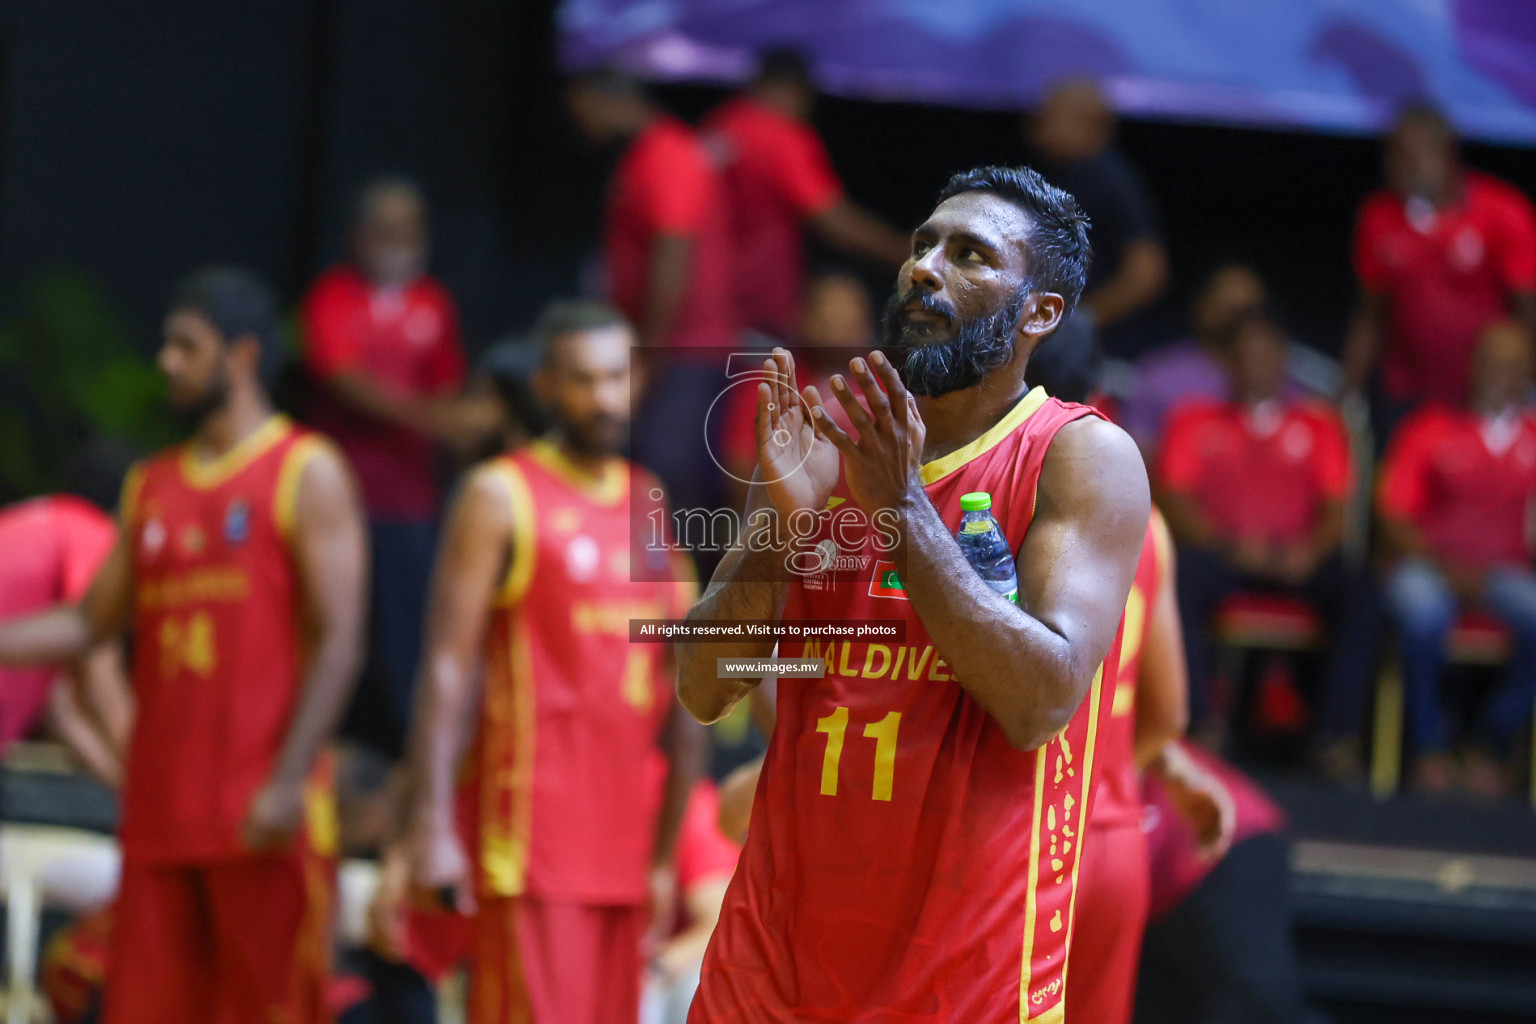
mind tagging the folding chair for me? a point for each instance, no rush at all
(1477, 639)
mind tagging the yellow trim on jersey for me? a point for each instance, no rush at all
(686, 581)
(206, 474)
(1033, 867)
(1056, 1013)
(606, 489)
(498, 867)
(1089, 746)
(939, 468)
(505, 857)
(128, 502)
(285, 499)
(321, 819)
(525, 541)
(1162, 545)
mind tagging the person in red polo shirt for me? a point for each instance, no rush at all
(1254, 491)
(1441, 252)
(1456, 500)
(381, 338)
(668, 258)
(779, 181)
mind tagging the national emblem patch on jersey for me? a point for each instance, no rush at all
(887, 582)
(582, 557)
(153, 537)
(237, 522)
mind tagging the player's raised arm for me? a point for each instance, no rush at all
(795, 471)
(330, 551)
(476, 548)
(71, 631)
(1030, 670)
(1029, 666)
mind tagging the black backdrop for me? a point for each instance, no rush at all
(140, 140)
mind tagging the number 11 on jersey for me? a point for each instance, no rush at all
(882, 732)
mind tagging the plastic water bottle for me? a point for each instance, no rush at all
(982, 542)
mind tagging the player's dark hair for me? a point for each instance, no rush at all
(238, 303)
(1059, 254)
(608, 80)
(571, 316)
(509, 366)
(784, 65)
(1068, 372)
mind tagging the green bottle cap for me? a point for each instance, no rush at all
(976, 501)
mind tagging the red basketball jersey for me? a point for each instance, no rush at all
(1111, 913)
(571, 709)
(904, 862)
(1118, 801)
(220, 640)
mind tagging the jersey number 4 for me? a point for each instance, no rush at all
(187, 644)
(882, 732)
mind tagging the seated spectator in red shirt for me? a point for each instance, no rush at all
(50, 549)
(779, 181)
(1441, 252)
(668, 258)
(1254, 491)
(381, 338)
(1457, 500)
(1196, 366)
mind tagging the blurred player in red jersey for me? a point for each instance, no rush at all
(1149, 712)
(240, 567)
(919, 823)
(534, 579)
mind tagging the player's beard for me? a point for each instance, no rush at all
(191, 412)
(933, 368)
(596, 436)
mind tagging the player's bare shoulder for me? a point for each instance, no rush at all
(324, 487)
(484, 501)
(1093, 469)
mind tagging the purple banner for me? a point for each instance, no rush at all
(1336, 65)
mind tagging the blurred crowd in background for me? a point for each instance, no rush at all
(1373, 511)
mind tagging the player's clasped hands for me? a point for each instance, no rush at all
(798, 469)
(882, 464)
(799, 442)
